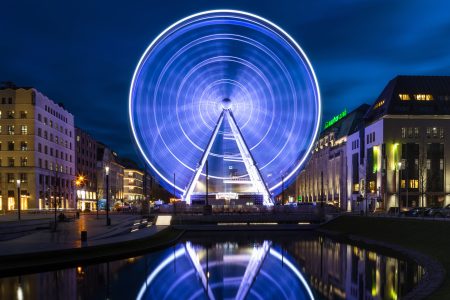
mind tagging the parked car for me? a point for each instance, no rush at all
(440, 211)
(414, 212)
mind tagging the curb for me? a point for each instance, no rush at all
(16, 264)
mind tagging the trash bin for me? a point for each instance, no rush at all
(83, 235)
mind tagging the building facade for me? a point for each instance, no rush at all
(401, 157)
(86, 170)
(108, 158)
(324, 176)
(37, 151)
(133, 185)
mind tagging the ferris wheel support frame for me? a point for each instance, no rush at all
(250, 164)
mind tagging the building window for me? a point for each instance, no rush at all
(441, 133)
(414, 184)
(39, 118)
(0, 114)
(423, 97)
(10, 146)
(39, 147)
(10, 177)
(40, 162)
(403, 132)
(410, 132)
(23, 146)
(39, 132)
(23, 114)
(9, 100)
(45, 134)
(428, 164)
(51, 137)
(441, 164)
(24, 129)
(10, 129)
(45, 121)
(45, 149)
(10, 114)
(23, 161)
(379, 104)
(416, 132)
(24, 177)
(404, 97)
(434, 132)
(10, 162)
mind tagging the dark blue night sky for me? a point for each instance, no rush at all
(84, 53)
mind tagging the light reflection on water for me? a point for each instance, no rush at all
(223, 266)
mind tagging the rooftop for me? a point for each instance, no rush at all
(413, 95)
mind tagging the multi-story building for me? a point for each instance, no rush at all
(37, 150)
(133, 185)
(324, 176)
(400, 158)
(108, 158)
(86, 170)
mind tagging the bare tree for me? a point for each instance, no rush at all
(422, 166)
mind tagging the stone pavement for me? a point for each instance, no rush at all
(28, 239)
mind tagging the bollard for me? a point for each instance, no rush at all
(83, 235)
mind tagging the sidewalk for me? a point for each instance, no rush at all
(67, 236)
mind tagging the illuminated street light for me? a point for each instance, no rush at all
(108, 221)
(18, 198)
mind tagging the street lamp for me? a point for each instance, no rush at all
(108, 221)
(18, 198)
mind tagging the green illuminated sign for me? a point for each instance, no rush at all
(335, 119)
(299, 199)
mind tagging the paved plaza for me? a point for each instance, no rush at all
(34, 233)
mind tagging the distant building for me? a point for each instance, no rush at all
(135, 184)
(107, 157)
(86, 170)
(401, 157)
(327, 165)
(37, 148)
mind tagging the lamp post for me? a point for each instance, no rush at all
(108, 221)
(399, 166)
(19, 205)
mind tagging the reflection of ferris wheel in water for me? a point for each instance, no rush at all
(228, 94)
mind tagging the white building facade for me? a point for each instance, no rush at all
(37, 151)
(400, 158)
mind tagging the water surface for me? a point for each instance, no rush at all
(214, 265)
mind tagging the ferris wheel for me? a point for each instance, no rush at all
(228, 95)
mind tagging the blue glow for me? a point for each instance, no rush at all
(180, 82)
(176, 278)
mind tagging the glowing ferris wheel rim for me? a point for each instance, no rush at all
(207, 15)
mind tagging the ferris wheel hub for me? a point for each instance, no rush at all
(226, 103)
